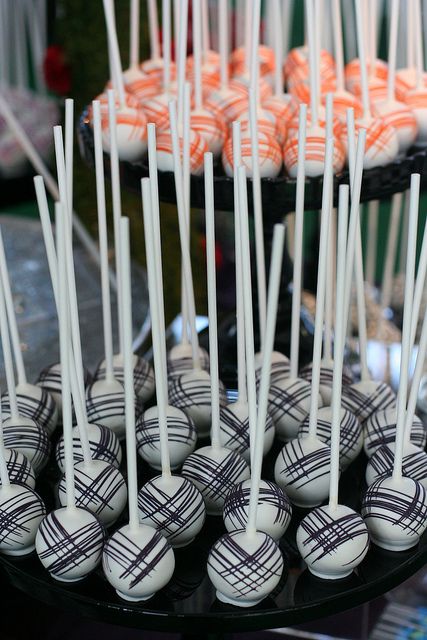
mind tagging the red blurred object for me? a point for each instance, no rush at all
(219, 258)
(57, 71)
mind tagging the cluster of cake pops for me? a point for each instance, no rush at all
(389, 102)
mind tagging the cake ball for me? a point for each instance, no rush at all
(198, 148)
(50, 380)
(265, 58)
(215, 471)
(406, 79)
(21, 512)
(380, 429)
(414, 464)
(227, 103)
(301, 91)
(332, 541)
(137, 562)
(103, 442)
(211, 79)
(69, 543)
(285, 109)
(344, 100)
(395, 512)
(32, 441)
(154, 67)
(315, 153)
(366, 397)
(180, 360)
(211, 127)
(266, 122)
(191, 392)
(289, 405)
(140, 85)
(382, 145)
(352, 72)
(34, 403)
(234, 429)
(280, 368)
(378, 91)
(270, 155)
(19, 469)
(351, 434)
(398, 115)
(156, 110)
(105, 405)
(210, 57)
(273, 514)
(100, 488)
(302, 470)
(173, 506)
(241, 84)
(143, 375)
(182, 436)
(326, 379)
(416, 100)
(243, 568)
(297, 68)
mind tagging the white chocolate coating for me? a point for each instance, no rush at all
(198, 148)
(180, 360)
(19, 469)
(416, 99)
(288, 405)
(104, 445)
(395, 512)
(140, 85)
(182, 436)
(105, 403)
(280, 367)
(34, 403)
(50, 380)
(69, 543)
(366, 397)
(274, 509)
(401, 117)
(234, 429)
(137, 563)
(302, 470)
(332, 542)
(380, 429)
(32, 441)
(270, 155)
(414, 464)
(215, 472)
(143, 375)
(244, 569)
(382, 145)
(100, 488)
(21, 511)
(174, 507)
(326, 379)
(211, 127)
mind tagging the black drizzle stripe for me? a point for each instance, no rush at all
(106, 448)
(300, 468)
(378, 432)
(180, 431)
(28, 438)
(95, 493)
(185, 394)
(123, 552)
(236, 507)
(414, 465)
(143, 375)
(393, 506)
(287, 402)
(178, 367)
(42, 410)
(363, 405)
(215, 479)
(17, 513)
(64, 550)
(328, 534)
(173, 514)
(18, 467)
(245, 572)
(350, 431)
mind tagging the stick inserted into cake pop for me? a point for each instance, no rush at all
(137, 560)
(169, 503)
(334, 539)
(70, 539)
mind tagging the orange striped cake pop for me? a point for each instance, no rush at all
(416, 99)
(210, 127)
(270, 155)
(240, 84)
(266, 121)
(352, 72)
(209, 58)
(381, 146)
(227, 104)
(140, 85)
(210, 80)
(301, 90)
(198, 148)
(157, 111)
(265, 56)
(377, 88)
(297, 69)
(402, 118)
(314, 154)
(344, 100)
(406, 79)
(284, 107)
(153, 67)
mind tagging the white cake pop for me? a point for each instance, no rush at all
(69, 540)
(137, 560)
(270, 155)
(380, 429)
(198, 147)
(21, 511)
(142, 373)
(19, 469)
(366, 397)
(50, 380)
(280, 368)
(180, 360)
(103, 442)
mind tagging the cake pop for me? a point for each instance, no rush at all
(50, 380)
(297, 68)
(104, 398)
(213, 469)
(33, 402)
(181, 430)
(137, 560)
(70, 539)
(274, 510)
(171, 504)
(302, 468)
(270, 156)
(154, 65)
(395, 508)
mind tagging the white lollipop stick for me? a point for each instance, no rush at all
(13, 325)
(40, 168)
(134, 33)
(404, 235)
(247, 300)
(152, 168)
(128, 377)
(7, 356)
(392, 50)
(182, 56)
(278, 48)
(212, 303)
(4, 473)
(117, 78)
(197, 53)
(314, 100)
(166, 44)
(47, 234)
(117, 204)
(103, 242)
(156, 329)
(406, 329)
(339, 346)
(153, 25)
(362, 61)
(183, 235)
(205, 29)
(186, 176)
(329, 293)
(321, 284)
(254, 62)
(240, 313)
(419, 287)
(371, 16)
(176, 31)
(299, 228)
(338, 44)
(419, 58)
(64, 346)
(223, 41)
(390, 256)
(258, 217)
(69, 148)
(287, 20)
(371, 249)
(273, 298)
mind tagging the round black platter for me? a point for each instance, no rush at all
(278, 194)
(188, 603)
